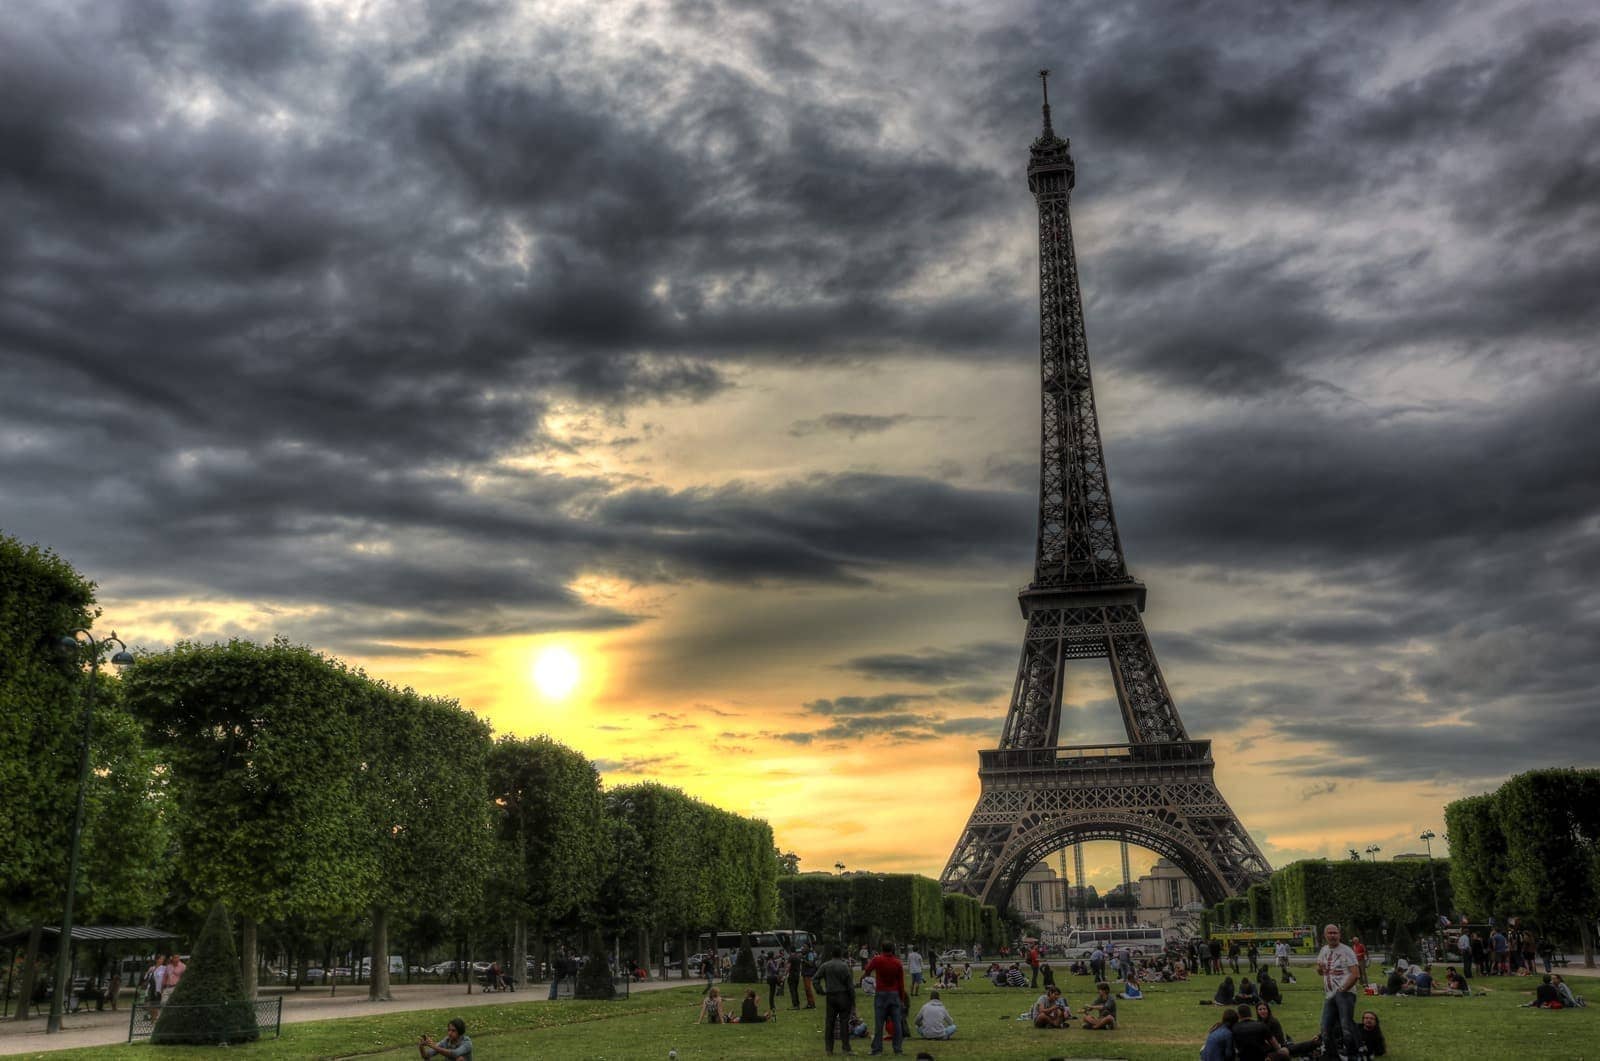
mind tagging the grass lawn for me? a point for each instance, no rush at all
(1168, 1024)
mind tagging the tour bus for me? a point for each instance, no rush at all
(1081, 942)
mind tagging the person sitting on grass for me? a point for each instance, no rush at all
(1219, 1040)
(1015, 977)
(933, 1020)
(1103, 1008)
(1050, 1010)
(1224, 995)
(1281, 1038)
(750, 1010)
(711, 1008)
(1267, 988)
(1396, 983)
(1246, 993)
(1564, 992)
(1454, 984)
(858, 1026)
(1545, 996)
(454, 1044)
(1370, 1036)
(1421, 982)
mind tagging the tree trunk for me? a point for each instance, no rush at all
(519, 952)
(30, 966)
(1586, 936)
(249, 967)
(378, 988)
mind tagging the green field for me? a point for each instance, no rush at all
(1168, 1024)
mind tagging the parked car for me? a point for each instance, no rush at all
(956, 955)
(314, 975)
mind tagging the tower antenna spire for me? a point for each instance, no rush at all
(1044, 81)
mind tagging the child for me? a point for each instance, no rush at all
(1106, 1008)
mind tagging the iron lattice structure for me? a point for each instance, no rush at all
(1037, 795)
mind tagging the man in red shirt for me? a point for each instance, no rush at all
(1033, 962)
(891, 1000)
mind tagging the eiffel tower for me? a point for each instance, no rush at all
(1036, 794)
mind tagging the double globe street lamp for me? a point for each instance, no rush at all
(72, 647)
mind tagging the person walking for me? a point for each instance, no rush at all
(1464, 945)
(1360, 949)
(1033, 964)
(838, 999)
(1254, 954)
(890, 1001)
(1336, 964)
(808, 973)
(914, 967)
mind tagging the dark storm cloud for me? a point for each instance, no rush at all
(936, 666)
(851, 425)
(890, 728)
(289, 302)
(864, 705)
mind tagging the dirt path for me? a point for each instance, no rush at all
(108, 1028)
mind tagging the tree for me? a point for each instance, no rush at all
(1548, 820)
(210, 1006)
(424, 773)
(1480, 870)
(549, 854)
(42, 600)
(264, 746)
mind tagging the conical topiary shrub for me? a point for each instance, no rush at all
(744, 966)
(594, 979)
(209, 1007)
(1403, 946)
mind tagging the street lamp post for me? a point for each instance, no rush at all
(71, 645)
(1427, 838)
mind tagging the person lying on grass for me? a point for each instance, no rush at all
(1103, 1010)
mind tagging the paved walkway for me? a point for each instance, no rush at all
(109, 1028)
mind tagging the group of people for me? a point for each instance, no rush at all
(883, 977)
(161, 980)
(1051, 1009)
(1248, 1031)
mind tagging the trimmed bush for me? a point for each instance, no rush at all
(594, 979)
(209, 1006)
(744, 966)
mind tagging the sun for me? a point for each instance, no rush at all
(556, 672)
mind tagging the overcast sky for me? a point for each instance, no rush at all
(701, 338)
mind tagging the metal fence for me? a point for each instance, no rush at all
(143, 1017)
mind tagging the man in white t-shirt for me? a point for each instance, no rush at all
(1336, 963)
(1464, 945)
(914, 967)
